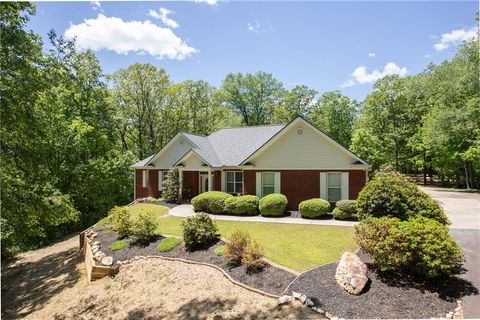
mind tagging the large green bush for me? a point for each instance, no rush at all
(199, 231)
(121, 221)
(420, 245)
(313, 208)
(211, 202)
(143, 227)
(273, 204)
(242, 205)
(390, 195)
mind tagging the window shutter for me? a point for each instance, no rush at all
(160, 180)
(222, 178)
(323, 185)
(345, 185)
(258, 182)
(277, 182)
(144, 180)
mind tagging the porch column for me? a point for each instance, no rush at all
(180, 181)
(210, 181)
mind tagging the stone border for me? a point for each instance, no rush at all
(225, 274)
(92, 254)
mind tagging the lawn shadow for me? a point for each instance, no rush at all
(27, 286)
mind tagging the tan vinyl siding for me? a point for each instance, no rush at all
(193, 161)
(307, 151)
(174, 152)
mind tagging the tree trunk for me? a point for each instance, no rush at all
(424, 170)
(465, 166)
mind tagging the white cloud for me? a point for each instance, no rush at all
(210, 2)
(255, 27)
(455, 37)
(123, 37)
(427, 56)
(96, 5)
(162, 14)
(371, 55)
(361, 75)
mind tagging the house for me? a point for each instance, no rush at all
(296, 159)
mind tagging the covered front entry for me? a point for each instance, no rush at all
(204, 182)
(196, 182)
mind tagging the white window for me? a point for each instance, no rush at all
(162, 176)
(234, 181)
(334, 186)
(268, 183)
(145, 178)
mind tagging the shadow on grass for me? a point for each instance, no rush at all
(27, 286)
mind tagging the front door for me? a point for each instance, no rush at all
(203, 182)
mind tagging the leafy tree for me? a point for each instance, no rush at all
(335, 113)
(171, 186)
(296, 102)
(253, 96)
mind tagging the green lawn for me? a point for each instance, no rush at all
(296, 246)
(135, 210)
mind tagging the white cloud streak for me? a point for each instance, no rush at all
(455, 37)
(361, 75)
(371, 55)
(162, 15)
(255, 27)
(209, 2)
(124, 37)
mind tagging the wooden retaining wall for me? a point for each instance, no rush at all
(94, 272)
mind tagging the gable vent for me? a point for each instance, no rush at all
(299, 131)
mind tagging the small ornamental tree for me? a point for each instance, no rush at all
(171, 186)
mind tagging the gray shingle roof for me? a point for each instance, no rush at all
(227, 147)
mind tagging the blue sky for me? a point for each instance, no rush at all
(325, 45)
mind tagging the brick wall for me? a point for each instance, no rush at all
(299, 185)
(190, 182)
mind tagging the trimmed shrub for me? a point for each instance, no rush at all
(171, 186)
(211, 202)
(242, 205)
(273, 204)
(168, 244)
(420, 245)
(313, 208)
(143, 228)
(348, 206)
(390, 195)
(339, 214)
(121, 221)
(235, 248)
(199, 230)
(344, 209)
(252, 257)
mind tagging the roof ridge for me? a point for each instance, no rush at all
(193, 134)
(260, 125)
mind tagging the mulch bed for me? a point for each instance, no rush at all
(270, 279)
(387, 295)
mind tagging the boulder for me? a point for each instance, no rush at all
(99, 256)
(296, 295)
(309, 303)
(107, 261)
(285, 300)
(351, 273)
(303, 298)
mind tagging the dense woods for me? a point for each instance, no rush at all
(69, 132)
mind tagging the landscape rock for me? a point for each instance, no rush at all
(309, 303)
(303, 298)
(318, 310)
(107, 261)
(95, 250)
(296, 295)
(285, 299)
(99, 256)
(351, 273)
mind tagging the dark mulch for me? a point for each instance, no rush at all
(387, 295)
(270, 279)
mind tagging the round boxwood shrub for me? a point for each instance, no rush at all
(211, 202)
(420, 245)
(273, 205)
(344, 209)
(242, 205)
(313, 208)
(390, 195)
(199, 231)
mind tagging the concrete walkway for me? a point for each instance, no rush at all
(186, 210)
(463, 210)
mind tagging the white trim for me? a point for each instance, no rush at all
(323, 185)
(258, 184)
(222, 180)
(358, 167)
(293, 123)
(134, 184)
(145, 179)
(188, 155)
(345, 183)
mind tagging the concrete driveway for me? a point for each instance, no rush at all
(463, 210)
